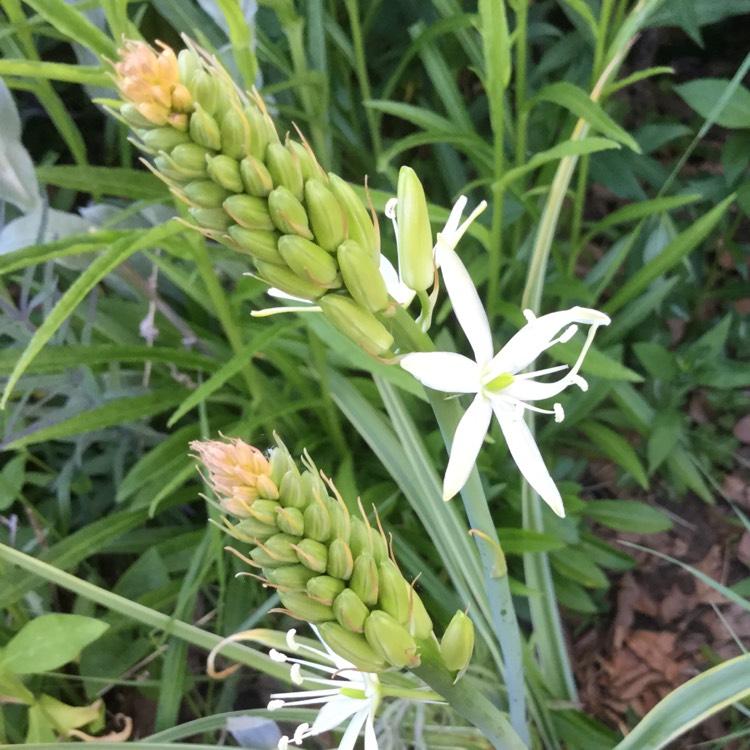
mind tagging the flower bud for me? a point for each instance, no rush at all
(130, 113)
(163, 139)
(340, 560)
(255, 530)
(302, 607)
(324, 589)
(182, 99)
(325, 214)
(290, 521)
(282, 548)
(260, 134)
(378, 545)
(352, 647)
(235, 134)
(317, 522)
(264, 559)
(364, 581)
(226, 172)
(288, 281)
(360, 539)
(249, 212)
(190, 159)
(287, 213)
(166, 168)
(204, 130)
(205, 91)
(394, 592)
(312, 554)
(205, 193)
(211, 218)
(309, 261)
(284, 169)
(358, 222)
(188, 64)
(457, 644)
(361, 276)
(308, 164)
(256, 178)
(281, 463)
(264, 511)
(416, 266)
(259, 244)
(340, 520)
(350, 611)
(290, 490)
(420, 624)
(391, 640)
(291, 577)
(358, 324)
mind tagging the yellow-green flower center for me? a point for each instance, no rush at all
(501, 381)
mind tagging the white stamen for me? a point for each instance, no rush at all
(559, 413)
(568, 333)
(275, 705)
(277, 656)
(296, 674)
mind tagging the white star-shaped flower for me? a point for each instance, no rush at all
(353, 695)
(498, 381)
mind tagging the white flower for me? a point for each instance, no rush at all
(498, 381)
(352, 694)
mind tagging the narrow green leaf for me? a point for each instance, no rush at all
(672, 254)
(35, 69)
(578, 102)
(497, 46)
(628, 515)
(125, 183)
(613, 445)
(576, 566)
(241, 38)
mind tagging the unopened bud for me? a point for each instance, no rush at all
(416, 266)
(391, 640)
(313, 555)
(204, 130)
(188, 64)
(290, 490)
(254, 530)
(308, 164)
(166, 167)
(358, 222)
(256, 177)
(190, 159)
(324, 589)
(340, 520)
(290, 521)
(287, 213)
(281, 463)
(211, 218)
(205, 193)
(259, 244)
(282, 548)
(259, 132)
(364, 581)
(393, 595)
(340, 560)
(309, 261)
(288, 281)
(164, 139)
(234, 131)
(352, 647)
(264, 511)
(130, 113)
(291, 577)
(351, 612)
(205, 91)
(249, 212)
(457, 645)
(302, 607)
(317, 522)
(360, 539)
(420, 624)
(226, 172)
(358, 324)
(361, 276)
(284, 169)
(326, 215)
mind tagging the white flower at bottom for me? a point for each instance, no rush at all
(352, 694)
(498, 381)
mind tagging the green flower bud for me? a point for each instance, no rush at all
(164, 139)
(290, 521)
(394, 591)
(324, 589)
(252, 529)
(291, 577)
(188, 63)
(249, 212)
(358, 324)
(378, 545)
(281, 463)
(364, 580)
(235, 134)
(288, 281)
(205, 91)
(308, 164)
(457, 645)
(360, 539)
(225, 171)
(256, 178)
(205, 193)
(340, 520)
(350, 611)
(190, 159)
(166, 168)
(313, 554)
(358, 222)
(317, 522)
(131, 115)
(284, 169)
(282, 548)
(211, 218)
(313, 485)
(362, 277)
(265, 560)
(420, 624)
(326, 215)
(352, 647)
(391, 640)
(264, 511)
(204, 130)
(261, 245)
(340, 560)
(302, 607)
(287, 213)
(260, 134)
(290, 488)
(416, 266)
(309, 261)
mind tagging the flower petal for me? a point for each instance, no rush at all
(466, 444)
(396, 288)
(371, 740)
(466, 305)
(352, 731)
(525, 453)
(336, 711)
(443, 371)
(537, 336)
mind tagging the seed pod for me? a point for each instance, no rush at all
(284, 169)
(261, 245)
(287, 213)
(205, 193)
(204, 130)
(290, 521)
(325, 214)
(309, 261)
(302, 607)
(226, 172)
(163, 139)
(190, 159)
(340, 560)
(415, 263)
(457, 645)
(324, 589)
(256, 177)
(364, 581)
(313, 555)
(291, 577)
(391, 640)
(350, 611)
(253, 530)
(358, 222)
(358, 324)
(352, 647)
(393, 592)
(288, 281)
(235, 136)
(317, 522)
(361, 276)
(211, 218)
(249, 212)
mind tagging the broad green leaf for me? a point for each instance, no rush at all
(670, 256)
(686, 473)
(578, 102)
(614, 446)
(11, 481)
(735, 155)
(419, 116)
(125, 183)
(704, 94)
(657, 360)
(48, 642)
(63, 717)
(572, 595)
(628, 515)
(666, 431)
(519, 541)
(576, 566)
(39, 730)
(12, 688)
(706, 12)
